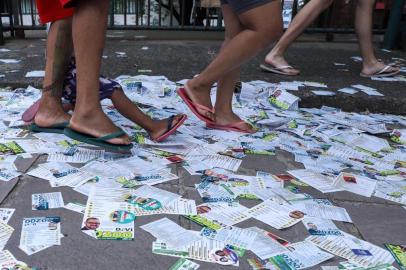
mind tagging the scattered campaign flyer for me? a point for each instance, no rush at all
(45, 201)
(5, 214)
(320, 182)
(324, 211)
(170, 232)
(7, 260)
(76, 207)
(39, 233)
(355, 250)
(283, 99)
(399, 253)
(5, 233)
(184, 264)
(357, 184)
(266, 246)
(218, 215)
(276, 214)
(242, 238)
(319, 226)
(106, 220)
(300, 255)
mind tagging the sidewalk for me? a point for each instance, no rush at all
(375, 220)
(183, 59)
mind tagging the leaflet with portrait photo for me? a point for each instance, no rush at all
(300, 255)
(323, 211)
(108, 220)
(318, 226)
(218, 215)
(276, 214)
(357, 184)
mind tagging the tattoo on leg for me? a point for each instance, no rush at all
(62, 55)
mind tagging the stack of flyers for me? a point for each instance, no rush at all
(39, 233)
(5, 233)
(301, 255)
(5, 214)
(184, 264)
(283, 100)
(218, 215)
(45, 201)
(399, 253)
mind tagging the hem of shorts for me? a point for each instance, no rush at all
(242, 10)
(53, 18)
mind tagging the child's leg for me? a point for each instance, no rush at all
(129, 110)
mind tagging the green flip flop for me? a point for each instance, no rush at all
(101, 141)
(56, 128)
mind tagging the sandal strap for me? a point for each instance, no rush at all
(169, 123)
(111, 136)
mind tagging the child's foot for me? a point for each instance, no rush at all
(161, 127)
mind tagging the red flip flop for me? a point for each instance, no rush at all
(237, 127)
(194, 106)
(29, 114)
(171, 129)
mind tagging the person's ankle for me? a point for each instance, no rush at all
(196, 84)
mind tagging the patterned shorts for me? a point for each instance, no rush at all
(107, 86)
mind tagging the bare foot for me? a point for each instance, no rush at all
(97, 124)
(200, 95)
(161, 126)
(375, 68)
(50, 112)
(231, 118)
(278, 61)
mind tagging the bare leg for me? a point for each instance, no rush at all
(128, 109)
(59, 50)
(261, 26)
(302, 20)
(363, 26)
(89, 28)
(226, 85)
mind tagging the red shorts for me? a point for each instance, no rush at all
(54, 10)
